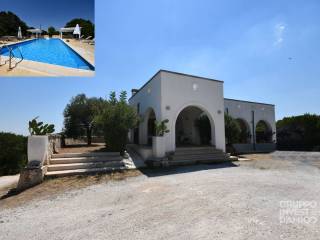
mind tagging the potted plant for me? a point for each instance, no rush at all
(38, 141)
(158, 141)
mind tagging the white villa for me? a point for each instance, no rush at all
(183, 98)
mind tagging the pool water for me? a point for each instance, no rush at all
(52, 51)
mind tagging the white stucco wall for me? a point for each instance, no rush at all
(243, 110)
(149, 97)
(179, 91)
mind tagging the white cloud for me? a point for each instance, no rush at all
(278, 33)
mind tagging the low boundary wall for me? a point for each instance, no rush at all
(252, 148)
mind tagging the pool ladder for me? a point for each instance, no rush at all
(11, 56)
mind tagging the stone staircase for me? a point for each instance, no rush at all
(66, 164)
(194, 155)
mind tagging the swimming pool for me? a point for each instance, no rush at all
(52, 51)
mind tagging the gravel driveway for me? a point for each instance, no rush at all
(244, 200)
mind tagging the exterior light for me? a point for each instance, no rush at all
(195, 87)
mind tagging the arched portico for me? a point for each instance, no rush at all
(193, 125)
(263, 132)
(245, 134)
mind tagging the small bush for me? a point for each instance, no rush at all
(116, 120)
(13, 153)
(232, 130)
(299, 133)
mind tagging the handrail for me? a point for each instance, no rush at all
(20, 53)
(16, 63)
(11, 56)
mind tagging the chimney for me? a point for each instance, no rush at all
(134, 91)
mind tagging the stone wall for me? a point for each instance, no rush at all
(55, 143)
(251, 148)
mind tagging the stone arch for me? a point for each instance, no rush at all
(263, 132)
(245, 135)
(194, 111)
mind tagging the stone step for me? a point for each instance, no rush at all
(82, 171)
(197, 153)
(190, 151)
(199, 156)
(195, 161)
(85, 159)
(195, 148)
(75, 166)
(90, 154)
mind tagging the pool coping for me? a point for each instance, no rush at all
(84, 57)
(47, 69)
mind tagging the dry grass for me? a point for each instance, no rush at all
(83, 148)
(55, 186)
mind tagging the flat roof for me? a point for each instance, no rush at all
(177, 73)
(236, 100)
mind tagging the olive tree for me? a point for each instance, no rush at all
(80, 114)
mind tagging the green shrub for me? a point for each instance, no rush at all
(38, 128)
(232, 130)
(9, 24)
(300, 133)
(87, 27)
(116, 120)
(51, 31)
(13, 153)
(161, 127)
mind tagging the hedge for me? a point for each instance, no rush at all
(13, 153)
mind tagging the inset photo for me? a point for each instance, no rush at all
(47, 38)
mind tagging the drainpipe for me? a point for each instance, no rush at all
(253, 132)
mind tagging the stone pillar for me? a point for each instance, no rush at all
(30, 176)
(33, 173)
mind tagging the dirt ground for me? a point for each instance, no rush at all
(83, 148)
(240, 200)
(55, 186)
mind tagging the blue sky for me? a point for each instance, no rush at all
(266, 51)
(48, 13)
